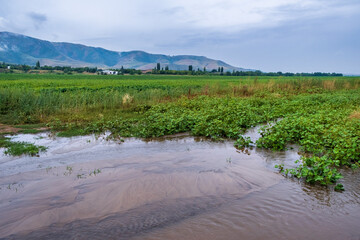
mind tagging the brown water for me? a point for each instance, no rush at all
(168, 188)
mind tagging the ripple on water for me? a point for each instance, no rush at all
(176, 188)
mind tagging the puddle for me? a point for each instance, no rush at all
(170, 188)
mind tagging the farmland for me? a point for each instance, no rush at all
(27, 98)
(322, 114)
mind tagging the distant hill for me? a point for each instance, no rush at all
(20, 49)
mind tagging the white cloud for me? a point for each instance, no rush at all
(2, 22)
(235, 15)
(90, 18)
(206, 27)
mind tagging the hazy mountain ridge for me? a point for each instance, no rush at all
(21, 49)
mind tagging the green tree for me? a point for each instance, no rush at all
(158, 66)
(167, 68)
(38, 64)
(190, 68)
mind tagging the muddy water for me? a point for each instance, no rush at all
(169, 188)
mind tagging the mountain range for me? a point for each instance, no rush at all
(21, 49)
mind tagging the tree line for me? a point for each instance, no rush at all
(220, 71)
(65, 69)
(158, 70)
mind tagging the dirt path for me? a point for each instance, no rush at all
(8, 129)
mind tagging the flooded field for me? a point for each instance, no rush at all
(178, 187)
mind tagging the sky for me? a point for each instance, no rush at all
(268, 35)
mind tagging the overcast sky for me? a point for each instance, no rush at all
(270, 35)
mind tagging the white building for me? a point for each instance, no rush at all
(109, 72)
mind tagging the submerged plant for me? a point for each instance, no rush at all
(95, 172)
(339, 188)
(243, 142)
(321, 170)
(68, 171)
(23, 148)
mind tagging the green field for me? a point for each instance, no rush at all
(321, 114)
(27, 98)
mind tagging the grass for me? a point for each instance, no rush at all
(321, 114)
(30, 131)
(29, 99)
(20, 148)
(31, 128)
(72, 132)
(23, 148)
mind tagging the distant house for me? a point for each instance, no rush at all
(9, 67)
(109, 72)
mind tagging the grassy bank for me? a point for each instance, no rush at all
(320, 114)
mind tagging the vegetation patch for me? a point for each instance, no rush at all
(72, 132)
(20, 148)
(243, 142)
